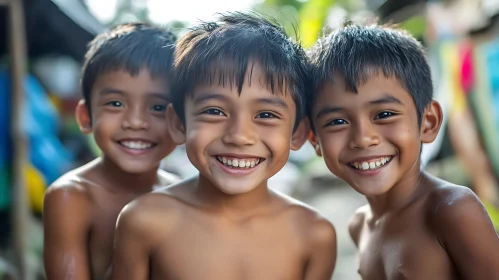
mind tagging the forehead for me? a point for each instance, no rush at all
(141, 83)
(254, 85)
(375, 87)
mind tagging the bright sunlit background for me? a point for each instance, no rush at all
(461, 36)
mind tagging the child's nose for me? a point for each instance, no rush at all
(135, 119)
(363, 136)
(240, 132)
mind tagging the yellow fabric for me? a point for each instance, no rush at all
(494, 214)
(451, 60)
(35, 184)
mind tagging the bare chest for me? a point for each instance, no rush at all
(212, 250)
(102, 235)
(405, 252)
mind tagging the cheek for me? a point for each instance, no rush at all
(406, 140)
(331, 146)
(198, 136)
(278, 140)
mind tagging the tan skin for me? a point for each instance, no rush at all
(81, 207)
(222, 225)
(415, 226)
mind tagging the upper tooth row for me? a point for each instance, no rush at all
(372, 164)
(238, 163)
(136, 145)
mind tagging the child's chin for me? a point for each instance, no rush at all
(136, 169)
(235, 190)
(371, 191)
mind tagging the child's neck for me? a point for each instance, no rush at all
(403, 193)
(115, 179)
(238, 206)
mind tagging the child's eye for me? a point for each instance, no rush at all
(213, 111)
(384, 115)
(159, 108)
(115, 103)
(337, 122)
(265, 115)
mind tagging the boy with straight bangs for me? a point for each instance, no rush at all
(371, 111)
(125, 83)
(238, 102)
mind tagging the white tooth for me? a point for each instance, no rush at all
(365, 165)
(235, 163)
(383, 161)
(248, 164)
(378, 163)
(252, 164)
(242, 163)
(229, 162)
(372, 165)
(224, 160)
(257, 161)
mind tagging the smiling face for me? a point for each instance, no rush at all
(372, 139)
(128, 120)
(238, 141)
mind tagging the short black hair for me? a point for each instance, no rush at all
(130, 47)
(359, 52)
(220, 52)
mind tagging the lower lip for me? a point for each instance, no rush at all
(235, 171)
(371, 172)
(135, 152)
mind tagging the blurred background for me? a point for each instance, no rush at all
(43, 43)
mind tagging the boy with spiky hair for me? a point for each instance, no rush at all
(238, 105)
(125, 84)
(371, 110)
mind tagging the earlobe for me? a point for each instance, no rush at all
(175, 126)
(431, 122)
(83, 117)
(300, 135)
(315, 143)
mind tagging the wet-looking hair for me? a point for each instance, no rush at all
(221, 52)
(130, 47)
(358, 53)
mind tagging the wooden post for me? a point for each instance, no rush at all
(20, 206)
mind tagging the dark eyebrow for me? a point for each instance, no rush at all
(387, 98)
(328, 110)
(273, 101)
(106, 91)
(203, 97)
(159, 95)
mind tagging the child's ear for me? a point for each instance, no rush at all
(175, 126)
(83, 117)
(300, 134)
(431, 122)
(313, 140)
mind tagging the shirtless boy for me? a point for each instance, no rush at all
(238, 99)
(125, 83)
(372, 109)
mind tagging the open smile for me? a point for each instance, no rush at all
(240, 163)
(136, 146)
(236, 165)
(371, 164)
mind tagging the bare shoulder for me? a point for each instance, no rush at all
(315, 228)
(356, 223)
(152, 215)
(450, 204)
(148, 211)
(68, 209)
(69, 191)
